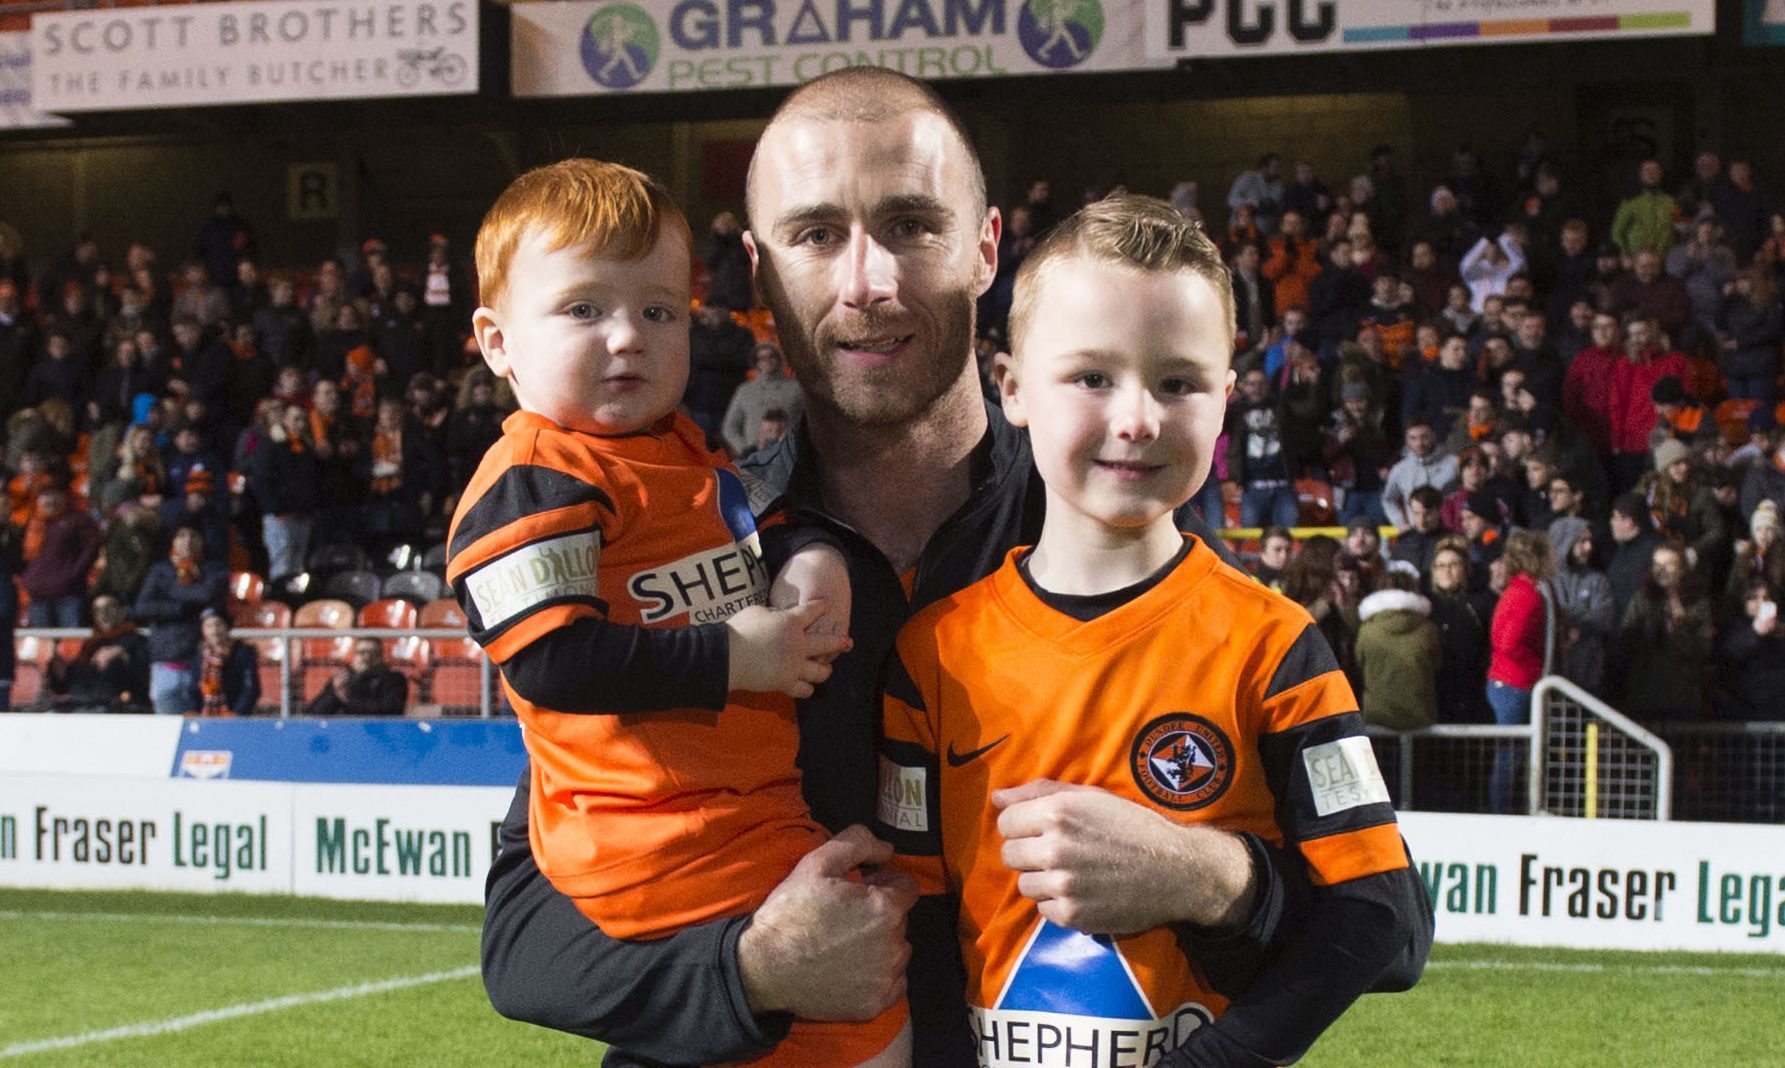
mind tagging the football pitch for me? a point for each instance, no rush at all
(112, 979)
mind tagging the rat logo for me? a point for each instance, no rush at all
(619, 46)
(1182, 761)
(1060, 33)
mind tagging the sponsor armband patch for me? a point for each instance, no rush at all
(903, 792)
(1342, 775)
(510, 586)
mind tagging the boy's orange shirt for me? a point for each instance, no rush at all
(1207, 699)
(658, 820)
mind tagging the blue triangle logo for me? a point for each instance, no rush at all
(1078, 974)
(734, 505)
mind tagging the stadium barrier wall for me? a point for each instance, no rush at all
(407, 811)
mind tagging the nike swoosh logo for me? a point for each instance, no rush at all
(956, 760)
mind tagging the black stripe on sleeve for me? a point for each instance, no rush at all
(899, 685)
(1309, 658)
(524, 489)
(594, 666)
(1286, 757)
(913, 832)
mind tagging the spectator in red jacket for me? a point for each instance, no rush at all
(1517, 636)
(1646, 362)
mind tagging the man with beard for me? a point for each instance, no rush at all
(871, 241)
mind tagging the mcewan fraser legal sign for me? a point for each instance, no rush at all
(156, 57)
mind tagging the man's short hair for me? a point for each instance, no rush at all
(1142, 232)
(1431, 498)
(575, 201)
(869, 94)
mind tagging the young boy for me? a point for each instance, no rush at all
(1120, 655)
(613, 567)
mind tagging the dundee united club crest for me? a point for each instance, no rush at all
(1182, 761)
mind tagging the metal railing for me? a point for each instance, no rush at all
(1597, 762)
(1577, 757)
(1727, 770)
(428, 657)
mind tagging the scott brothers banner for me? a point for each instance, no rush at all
(577, 47)
(175, 56)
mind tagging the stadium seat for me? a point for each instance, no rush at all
(435, 559)
(266, 615)
(457, 675)
(410, 655)
(320, 658)
(33, 655)
(416, 587)
(389, 614)
(245, 587)
(1316, 499)
(329, 559)
(403, 557)
(355, 587)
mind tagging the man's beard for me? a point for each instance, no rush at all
(874, 397)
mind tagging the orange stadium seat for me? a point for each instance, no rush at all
(245, 587)
(457, 676)
(319, 658)
(33, 655)
(392, 614)
(411, 656)
(1316, 498)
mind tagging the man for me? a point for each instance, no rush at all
(1258, 460)
(172, 602)
(1423, 464)
(1644, 220)
(772, 389)
(61, 542)
(1261, 188)
(1439, 396)
(719, 354)
(1648, 293)
(366, 687)
(1633, 532)
(110, 672)
(901, 460)
(1425, 528)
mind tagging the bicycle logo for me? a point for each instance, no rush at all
(447, 68)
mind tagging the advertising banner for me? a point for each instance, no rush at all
(243, 53)
(395, 843)
(1602, 884)
(16, 107)
(579, 47)
(73, 832)
(1182, 29)
(1763, 22)
(381, 843)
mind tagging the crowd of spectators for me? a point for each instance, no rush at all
(1527, 397)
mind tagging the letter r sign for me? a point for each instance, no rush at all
(312, 191)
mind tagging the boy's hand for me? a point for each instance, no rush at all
(816, 573)
(776, 650)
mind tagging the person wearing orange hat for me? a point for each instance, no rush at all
(197, 506)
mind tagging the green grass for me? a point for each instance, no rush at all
(79, 963)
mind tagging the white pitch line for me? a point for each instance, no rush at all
(1600, 969)
(231, 1012)
(242, 921)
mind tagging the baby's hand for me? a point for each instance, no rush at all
(816, 573)
(780, 651)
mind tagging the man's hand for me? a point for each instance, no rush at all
(1098, 863)
(775, 651)
(816, 573)
(340, 682)
(826, 945)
